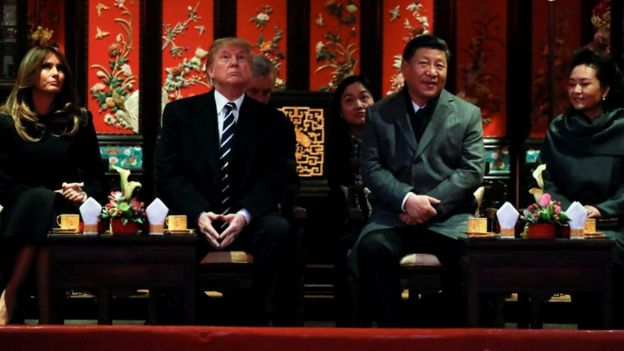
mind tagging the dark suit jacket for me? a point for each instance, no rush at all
(187, 158)
(287, 144)
(448, 163)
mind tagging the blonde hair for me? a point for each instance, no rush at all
(19, 102)
(220, 44)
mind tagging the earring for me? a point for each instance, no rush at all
(604, 97)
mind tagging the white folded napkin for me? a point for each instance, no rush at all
(507, 216)
(157, 212)
(90, 211)
(577, 214)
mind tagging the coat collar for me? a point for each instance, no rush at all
(204, 117)
(245, 126)
(440, 114)
(403, 122)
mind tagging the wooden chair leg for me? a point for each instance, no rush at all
(523, 307)
(104, 299)
(499, 308)
(152, 309)
(536, 312)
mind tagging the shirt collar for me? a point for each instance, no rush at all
(409, 102)
(416, 107)
(221, 100)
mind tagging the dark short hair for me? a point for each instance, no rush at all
(425, 41)
(261, 66)
(607, 72)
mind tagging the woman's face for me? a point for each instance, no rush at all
(354, 102)
(584, 90)
(52, 75)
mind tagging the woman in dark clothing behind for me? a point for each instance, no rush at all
(349, 207)
(584, 149)
(50, 163)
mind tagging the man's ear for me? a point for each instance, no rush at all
(404, 65)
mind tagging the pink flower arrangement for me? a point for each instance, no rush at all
(545, 210)
(121, 204)
(128, 211)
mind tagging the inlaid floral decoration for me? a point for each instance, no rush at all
(41, 36)
(269, 47)
(47, 14)
(601, 20)
(477, 83)
(335, 52)
(541, 109)
(418, 25)
(124, 156)
(115, 92)
(191, 71)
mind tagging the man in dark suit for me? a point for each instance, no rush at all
(218, 162)
(422, 159)
(260, 87)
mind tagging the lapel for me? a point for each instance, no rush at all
(402, 122)
(245, 126)
(436, 123)
(204, 116)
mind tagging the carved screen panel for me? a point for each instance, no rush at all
(334, 42)
(567, 38)
(310, 133)
(47, 14)
(482, 61)
(187, 32)
(402, 20)
(263, 24)
(113, 64)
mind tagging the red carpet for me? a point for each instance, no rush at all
(123, 338)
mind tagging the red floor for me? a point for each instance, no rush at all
(118, 338)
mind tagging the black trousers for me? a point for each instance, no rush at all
(379, 254)
(270, 239)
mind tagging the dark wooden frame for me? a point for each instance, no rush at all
(20, 46)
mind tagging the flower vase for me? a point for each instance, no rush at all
(542, 231)
(118, 228)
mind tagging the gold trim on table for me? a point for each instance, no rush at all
(65, 231)
(180, 231)
(595, 235)
(481, 235)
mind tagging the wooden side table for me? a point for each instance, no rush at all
(104, 262)
(538, 267)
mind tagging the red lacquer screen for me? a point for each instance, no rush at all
(567, 38)
(187, 32)
(50, 15)
(334, 42)
(263, 24)
(113, 65)
(402, 20)
(482, 60)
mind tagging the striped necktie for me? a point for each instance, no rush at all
(225, 152)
